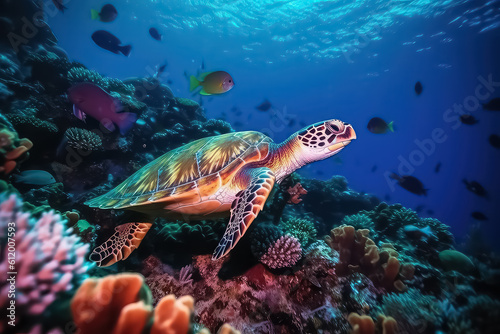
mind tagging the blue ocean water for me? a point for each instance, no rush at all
(315, 60)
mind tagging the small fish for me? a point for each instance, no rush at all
(475, 187)
(494, 141)
(418, 88)
(34, 177)
(437, 168)
(59, 5)
(338, 160)
(374, 168)
(430, 212)
(378, 126)
(218, 82)
(155, 34)
(493, 105)
(90, 99)
(410, 183)
(160, 70)
(110, 42)
(264, 106)
(108, 13)
(468, 119)
(479, 216)
(419, 208)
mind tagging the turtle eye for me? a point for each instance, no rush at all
(335, 128)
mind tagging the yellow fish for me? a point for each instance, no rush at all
(217, 82)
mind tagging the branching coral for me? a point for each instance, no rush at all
(82, 139)
(358, 253)
(358, 221)
(49, 259)
(27, 124)
(480, 315)
(79, 74)
(300, 228)
(413, 311)
(284, 253)
(264, 236)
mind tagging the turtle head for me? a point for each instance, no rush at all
(324, 139)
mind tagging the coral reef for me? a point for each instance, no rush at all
(82, 139)
(300, 228)
(284, 253)
(50, 261)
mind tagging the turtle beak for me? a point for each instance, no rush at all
(343, 139)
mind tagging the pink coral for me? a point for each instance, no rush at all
(48, 258)
(285, 252)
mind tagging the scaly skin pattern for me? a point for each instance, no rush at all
(216, 176)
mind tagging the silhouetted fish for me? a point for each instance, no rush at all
(59, 5)
(419, 208)
(494, 141)
(437, 168)
(378, 126)
(468, 119)
(493, 105)
(264, 106)
(155, 34)
(160, 70)
(410, 183)
(475, 187)
(479, 215)
(110, 42)
(418, 88)
(430, 212)
(374, 168)
(108, 13)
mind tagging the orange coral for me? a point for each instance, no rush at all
(363, 324)
(113, 305)
(12, 149)
(358, 253)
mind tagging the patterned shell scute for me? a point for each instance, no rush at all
(176, 170)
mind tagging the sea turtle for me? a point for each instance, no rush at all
(230, 174)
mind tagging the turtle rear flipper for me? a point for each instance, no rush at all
(121, 244)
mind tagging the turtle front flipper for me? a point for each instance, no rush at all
(245, 208)
(121, 244)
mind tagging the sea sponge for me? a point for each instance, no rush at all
(454, 260)
(13, 150)
(122, 304)
(82, 139)
(300, 228)
(284, 253)
(358, 253)
(49, 260)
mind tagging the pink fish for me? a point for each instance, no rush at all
(92, 100)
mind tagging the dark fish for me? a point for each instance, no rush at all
(238, 124)
(419, 208)
(169, 81)
(430, 212)
(302, 123)
(479, 215)
(374, 168)
(468, 119)
(418, 88)
(475, 187)
(110, 42)
(410, 183)
(493, 105)
(291, 122)
(264, 106)
(108, 13)
(437, 168)
(160, 70)
(155, 34)
(378, 125)
(59, 5)
(494, 141)
(387, 197)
